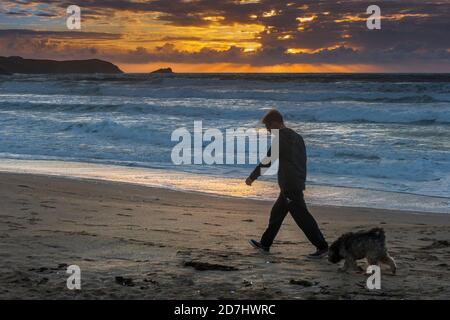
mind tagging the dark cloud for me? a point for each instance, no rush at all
(278, 55)
(50, 44)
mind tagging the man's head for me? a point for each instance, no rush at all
(273, 120)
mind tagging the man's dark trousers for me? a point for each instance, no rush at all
(293, 201)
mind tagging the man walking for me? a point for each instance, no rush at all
(291, 179)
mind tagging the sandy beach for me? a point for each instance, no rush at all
(135, 242)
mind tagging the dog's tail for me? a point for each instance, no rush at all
(379, 233)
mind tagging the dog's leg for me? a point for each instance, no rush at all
(372, 261)
(346, 266)
(390, 261)
(350, 264)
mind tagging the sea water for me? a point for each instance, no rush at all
(373, 140)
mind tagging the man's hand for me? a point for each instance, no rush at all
(249, 181)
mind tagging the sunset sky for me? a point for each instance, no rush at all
(234, 35)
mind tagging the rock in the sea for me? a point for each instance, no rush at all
(32, 66)
(163, 70)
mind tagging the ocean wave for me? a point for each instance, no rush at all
(404, 99)
(214, 110)
(226, 87)
(368, 114)
(115, 131)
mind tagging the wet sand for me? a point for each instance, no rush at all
(135, 242)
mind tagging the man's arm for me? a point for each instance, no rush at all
(256, 173)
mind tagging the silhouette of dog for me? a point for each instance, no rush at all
(353, 246)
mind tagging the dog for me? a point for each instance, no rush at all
(353, 246)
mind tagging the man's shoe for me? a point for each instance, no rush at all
(319, 254)
(257, 245)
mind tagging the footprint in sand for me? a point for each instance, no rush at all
(124, 215)
(24, 186)
(34, 220)
(126, 282)
(61, 266)
(93, 225)
(204, 266)
(303, 283)
(47, 207)
(437, 244)
(151, 281)
(183, 253)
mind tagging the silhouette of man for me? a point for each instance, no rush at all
(291, 180)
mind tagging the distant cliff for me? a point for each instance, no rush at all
(20, 65)
(3, 71)
(163, 70)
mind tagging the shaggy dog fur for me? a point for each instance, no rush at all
(353, 246)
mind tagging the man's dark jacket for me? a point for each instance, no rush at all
(292, 161)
